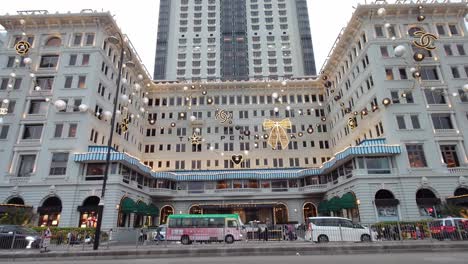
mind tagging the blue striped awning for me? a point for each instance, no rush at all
(374, 147)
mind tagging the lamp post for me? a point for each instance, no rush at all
(116, 41)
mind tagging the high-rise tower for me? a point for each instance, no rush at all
(233, 40)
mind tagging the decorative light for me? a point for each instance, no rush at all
(6, 101)
(421, 18)
(310, 130)
(209, 100)
(222, 153)
(185, 88)
(132, 116)
(386, 101)
(276, 109)
(140, 77)
(300, 134)
(418, 56)
(399, 51)
(60, 105)
(124, 98)
(265, 136)
(403, 94)
(145, 100)
(182, 115)
(454, 94)
(274, 95)
(22, 21)
(107, 115)
(323, 119)
(197, 130)
(416, 74)
(204, 92)
(381, 11)
(13, 75)
(288, 107)
(173, 124)
(355, 113)
(151, 121)
(364, 112)
(124, 80)
(387, 25)
(413, 70)
(83, 108)
(193, 118)
(137, 87)
(246, 133)
(284, 83)
(375, 108)
(27, 60)
(32, 75)
(246, 152)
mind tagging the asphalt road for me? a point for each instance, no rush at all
(417, 258)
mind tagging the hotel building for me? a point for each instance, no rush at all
(378, 135)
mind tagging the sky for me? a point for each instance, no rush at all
(139, 20)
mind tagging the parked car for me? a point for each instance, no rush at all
(23, 237)
(449, 228)
(162, 233)
(328, 229)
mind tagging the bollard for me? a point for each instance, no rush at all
(399, 231)
(13, 240)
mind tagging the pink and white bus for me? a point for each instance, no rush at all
(188, 228)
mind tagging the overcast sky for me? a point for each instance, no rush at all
(138, 19)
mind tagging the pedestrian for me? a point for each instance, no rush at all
(158, 236)
(259, 231)
(46, 239)
(110, 235)
(265, 235)
(69, 235)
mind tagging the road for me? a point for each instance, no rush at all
(416, 258)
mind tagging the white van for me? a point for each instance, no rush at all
(330, 229)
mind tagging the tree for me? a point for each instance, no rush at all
(17, 216)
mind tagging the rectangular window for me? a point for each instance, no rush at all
(442, 121)
(401, 122)
(77, 39)
(441, 30)
(58, 131)
(68, 82)
(379, 31)
(45, 82)
(453, 30)
(463, 96)
(82, 82)
(448, 50)
(49, 61)
(85, 60)
(26, 165)
(33, 131)
(384, 51)
(89, 39)
(415, 122)
(58, 164)
(461, 50)
(435, 96)
(455, 72)
(429, 73)
(72, 61)
(449, 154)
(17, 84)
(416, 156)
(389, 74)
(403, 75)
(72, 130)
(4, 131)
(4, 83)
(37, 107)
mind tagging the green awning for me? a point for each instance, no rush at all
(141, 208)
(334, 204)
(323, 207)
(152, 210)
(348, 201)
(127, 206)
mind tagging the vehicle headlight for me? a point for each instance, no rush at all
(30, 238)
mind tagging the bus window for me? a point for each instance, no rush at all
(187, 222)
(232, 223)
(216, 223)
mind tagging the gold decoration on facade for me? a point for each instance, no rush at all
(22, 47)
(223, 116)
(237, 159)
(278, 132)
(124, 125)
(426, 40)
(195, 139)
(352, 122)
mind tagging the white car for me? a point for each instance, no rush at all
(332, 229)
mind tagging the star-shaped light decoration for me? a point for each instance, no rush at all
(195, 139)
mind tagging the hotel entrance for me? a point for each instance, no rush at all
(268, 213)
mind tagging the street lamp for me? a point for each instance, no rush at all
(116, 41)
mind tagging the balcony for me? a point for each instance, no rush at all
(458, 170)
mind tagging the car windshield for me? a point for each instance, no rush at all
(26, 230)
(436, 223)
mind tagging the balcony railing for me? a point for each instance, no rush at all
(458, 170)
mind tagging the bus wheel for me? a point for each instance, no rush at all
(229, 239)
(185, 240)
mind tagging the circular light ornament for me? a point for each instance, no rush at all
(137, 87)
(32, 75)
(197, 130)
(124, 80)
(204, 92)
(142, 109)
(288, 108)
(193, 118)
(173, 124)
(284, 83)
(421, 18)
(13, 75)
(381, 12)
(300, 134)
(83, 108)
(107, 115)
(27, 60)
(247, 133)
(185, 88)
(6, 101)
(145, 100)
(140, 77)
(386, 101)
(387, 25)
(419, 56)
(275, 95)
(310, 130)
(323, 119)
(60, 105)
(124, 98)
(276, 109)
(399, 51)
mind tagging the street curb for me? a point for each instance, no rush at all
(244, 250)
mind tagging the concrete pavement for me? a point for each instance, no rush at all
(235, 250)
(413, 258)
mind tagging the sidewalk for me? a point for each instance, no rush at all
(250, 248)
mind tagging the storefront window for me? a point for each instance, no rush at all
(88, 219)
(49, 220)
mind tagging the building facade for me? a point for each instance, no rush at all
(377, 136)
(233, 40)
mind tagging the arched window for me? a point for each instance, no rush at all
(309, 210)
(461, 191)
(16, 200)
(387, 205)
(427, 202)
(49, 212)
(281, 214)
(195, 209)
(53, 42)
(165, 212)
(89, 212)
